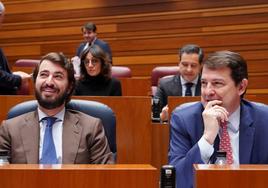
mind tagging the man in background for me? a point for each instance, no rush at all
(222, 120)
(186, 83)
(9, 82)
(89, 31)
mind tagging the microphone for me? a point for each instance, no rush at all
(168, 177)
(156, 109)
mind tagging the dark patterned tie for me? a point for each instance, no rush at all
(49, 155)
(188, 91)
(225, 144)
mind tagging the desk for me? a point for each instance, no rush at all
(231, 176)
(78, 176)
(136, 86)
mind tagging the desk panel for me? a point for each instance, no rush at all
(78, 176)
(231, 176)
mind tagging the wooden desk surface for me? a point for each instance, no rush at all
(231, 176)
(78, 176)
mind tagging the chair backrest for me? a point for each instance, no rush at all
(26, 62)
(93, 108)
(121, 72)
(24, 89)
(26, 65)
(159, 72)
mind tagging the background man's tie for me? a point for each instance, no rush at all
(49, 155)
(188, 91)
(225, 144)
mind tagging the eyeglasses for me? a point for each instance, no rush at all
(93, 62)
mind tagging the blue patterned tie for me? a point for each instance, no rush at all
(49, 155)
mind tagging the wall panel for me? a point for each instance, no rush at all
(142, 34)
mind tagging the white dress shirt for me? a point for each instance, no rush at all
(183, 82)
(56, 133)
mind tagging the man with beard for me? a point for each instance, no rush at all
(74, 138)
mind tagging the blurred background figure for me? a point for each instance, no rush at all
(96, 79)
(9, 82)
(89, 31)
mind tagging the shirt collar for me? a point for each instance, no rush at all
(59, 115)
(183, 81)
(234, 120)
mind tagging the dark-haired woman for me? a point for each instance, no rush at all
(95, 78)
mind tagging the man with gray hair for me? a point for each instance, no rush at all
(9, 82)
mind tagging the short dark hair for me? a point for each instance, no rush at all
(234, 61)
(98, 53)
(59, 59)
(192, 49)
(89, 27)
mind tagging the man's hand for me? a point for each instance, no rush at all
(24, 76)
(213, 115)
(164, 113)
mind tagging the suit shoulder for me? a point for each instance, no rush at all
(101, 42)
(81, 115)
(23, 116)
(19, 120)
(256, 106)
(168, 79)
(188, 108)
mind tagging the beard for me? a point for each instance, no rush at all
(51, 103)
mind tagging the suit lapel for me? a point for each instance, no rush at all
(70, 138)
(177, 89)
(30, 137)
(246, 135)
(198, 87)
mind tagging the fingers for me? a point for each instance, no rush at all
(214, 109)
(213, 103)
(164, 113)
(220, 113)
(165, 108)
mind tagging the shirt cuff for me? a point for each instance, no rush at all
(206, 149)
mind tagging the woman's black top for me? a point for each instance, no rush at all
(98, 86)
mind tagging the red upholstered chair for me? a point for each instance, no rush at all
(26, 62)
(25, 89)
(26, 65)
(162, 71)
(121, 72)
